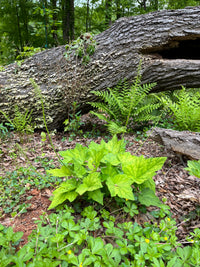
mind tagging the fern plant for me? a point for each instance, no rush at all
(123, 102)
(185, 109)
(193, 168)
(21, 122)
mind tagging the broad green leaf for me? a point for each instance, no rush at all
(25, 254)
(143, 169)
(67, 186)
(70, 225)
(108, 171)
(126, 158)
(60, 198)
(120, 185)
(149, 184)
(184, 253)
(79, 153)
(79, 170)
(148, 198)
(96, 152)
(9, 233)
(62, 172)
(96, 195)
(110, 158)
(114, 146)
(96, 146)
(90, 183)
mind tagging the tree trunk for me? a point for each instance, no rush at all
(54, 26)
(108, 13)
(68, 20)
(168, 42)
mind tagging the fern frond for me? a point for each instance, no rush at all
(100, 116)
(103, 108)
(123, 101)
(186, 109)
(114, 128)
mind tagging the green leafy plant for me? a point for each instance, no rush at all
(102, 169)
(73, 123)
(82, 48)
(65, 239)
(21, 122)
(4, 132)
(184, 108)
(193, 168)
(27, 52)
(125, 103)
(15, 184)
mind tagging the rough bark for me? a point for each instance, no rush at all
(167, 41)
(182, 143)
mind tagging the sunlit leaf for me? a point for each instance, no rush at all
(120, 185)
(96, 195)
(62, 197)
(143, 169)
(62, 172)
(90, 183)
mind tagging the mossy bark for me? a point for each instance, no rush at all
(168, 42)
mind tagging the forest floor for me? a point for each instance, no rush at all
(181, 190)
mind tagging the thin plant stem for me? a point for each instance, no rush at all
(38, 93)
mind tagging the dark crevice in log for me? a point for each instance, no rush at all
(176, 49)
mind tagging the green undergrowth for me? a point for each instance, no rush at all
(14, 186)
(100, 225)
(93, 236)
(101, 194)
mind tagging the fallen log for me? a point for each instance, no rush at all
(183, 143)
(168, 42)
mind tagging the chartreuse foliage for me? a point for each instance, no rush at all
(185, 109)
(193, 168)
(106, 167)
(125, 102)
(65, 239)
(21, 121)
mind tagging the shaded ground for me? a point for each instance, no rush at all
(181, 190)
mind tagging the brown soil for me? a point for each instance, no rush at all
(181, 190)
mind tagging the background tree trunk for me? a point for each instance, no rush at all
(168, 42)
(68, 20)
